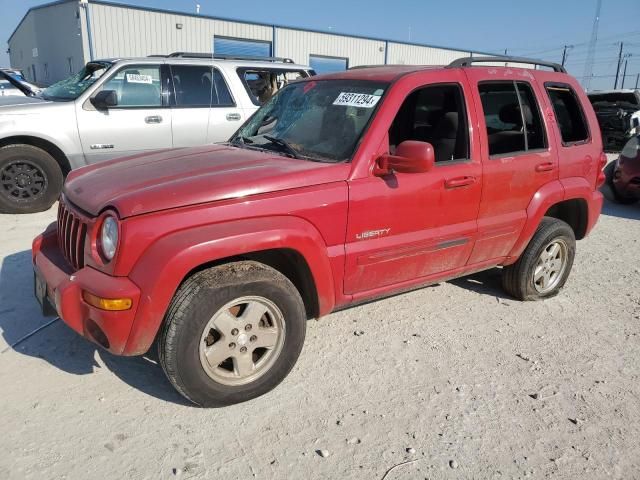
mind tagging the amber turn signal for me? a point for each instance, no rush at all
(111, 304)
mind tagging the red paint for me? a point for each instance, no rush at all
(362, 232)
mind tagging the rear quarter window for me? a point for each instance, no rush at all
(569, 114)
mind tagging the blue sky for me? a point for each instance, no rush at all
(538, 28)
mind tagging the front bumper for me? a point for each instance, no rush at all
(109, 329)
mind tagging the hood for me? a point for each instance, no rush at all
(175, 178)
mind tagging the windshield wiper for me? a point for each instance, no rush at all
(284, 144)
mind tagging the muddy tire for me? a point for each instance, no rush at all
(544, 266)
(30, 179)
(232, 333)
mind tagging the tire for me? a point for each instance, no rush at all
(187, 333)
(519, 279)
(30, 179)
(617, 196)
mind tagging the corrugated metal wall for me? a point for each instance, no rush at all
(402, 53)
(298, 45)
(123, 31)
(129, 32)
(55, 31)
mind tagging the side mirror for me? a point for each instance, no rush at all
(411, 157)
(105, 99)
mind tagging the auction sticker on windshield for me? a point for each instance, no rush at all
(137, 78)
(362, 100)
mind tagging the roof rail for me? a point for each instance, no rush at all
(468, 61)
(226, 57)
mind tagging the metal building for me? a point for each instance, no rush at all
(56, 39)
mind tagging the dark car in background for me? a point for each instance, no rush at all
(618, 113)
(623, 175)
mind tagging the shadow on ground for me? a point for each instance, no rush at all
(487, 282)
(60, 346)
(613, 209)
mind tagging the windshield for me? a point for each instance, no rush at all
(318, 120)
(73, 86)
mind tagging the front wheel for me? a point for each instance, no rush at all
(544, 266)
(30, 179)
(233, 332)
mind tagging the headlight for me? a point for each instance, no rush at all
(109, 237)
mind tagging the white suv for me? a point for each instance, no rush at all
(114, 108)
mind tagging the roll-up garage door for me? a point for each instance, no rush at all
(236, 46)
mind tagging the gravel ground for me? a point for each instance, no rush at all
(457, 380)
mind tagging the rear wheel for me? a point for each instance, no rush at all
(30, 179)
(232, 333)
(544, 266)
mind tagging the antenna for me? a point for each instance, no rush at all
(588, 67)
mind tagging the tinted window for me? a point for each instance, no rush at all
(435, 115)
(192, 85)
(221, 94)
(512, 117)
(533, 121)
(136, 86)
(569, 114)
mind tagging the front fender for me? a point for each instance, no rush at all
(166, 263)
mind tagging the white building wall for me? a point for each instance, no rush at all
(299, 45)
(130, 32)
(56, 33)
(405, 54)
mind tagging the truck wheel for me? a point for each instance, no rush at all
(232, 332)
(544, 266)
(30, 179)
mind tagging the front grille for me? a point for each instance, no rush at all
(72, 231)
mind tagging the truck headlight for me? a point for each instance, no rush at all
(109, 237)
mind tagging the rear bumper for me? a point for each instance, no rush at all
(64, 289)
(594, 209)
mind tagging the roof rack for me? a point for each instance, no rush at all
(468, 61)
(224, 57)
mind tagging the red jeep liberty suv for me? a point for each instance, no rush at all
(341, 189)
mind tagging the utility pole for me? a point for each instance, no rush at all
(588, 66)
(624, 73)
(615, 85)
(637, 80)
(564, 53)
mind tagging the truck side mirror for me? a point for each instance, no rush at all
(105, 99)
(411, 157)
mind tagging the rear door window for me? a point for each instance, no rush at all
(512, 117)
(192, 85)
(569, 114)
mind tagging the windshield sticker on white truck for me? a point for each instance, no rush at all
(137, 78)
(362, 100)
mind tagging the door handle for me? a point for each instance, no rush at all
(545, 167)
(153, 119)
(458, 182)
(233, 117)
